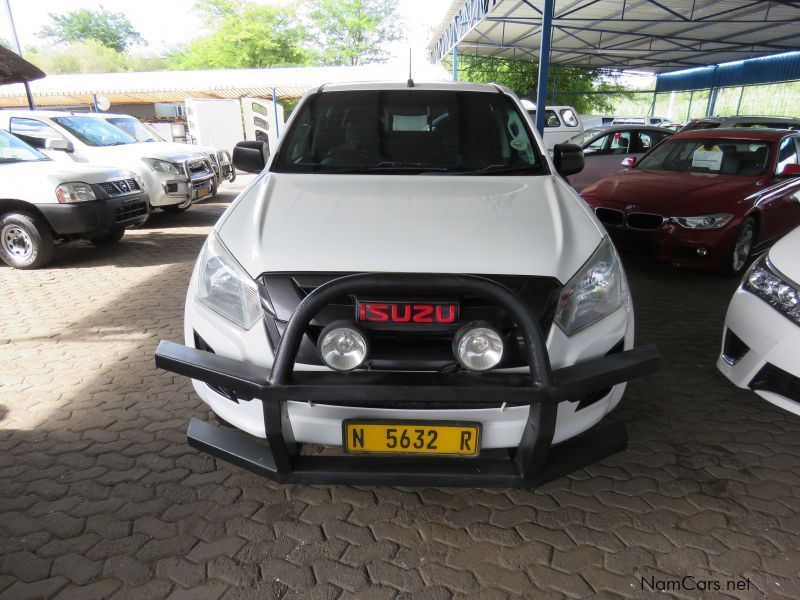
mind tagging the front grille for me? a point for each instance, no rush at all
(130, 210)
(123, 187)
(609, 216)
(198, 169)
(406, 348)
(644, 221)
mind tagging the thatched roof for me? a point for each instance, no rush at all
(15, 69)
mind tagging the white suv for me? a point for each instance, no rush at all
(411, 281)
(173, 178)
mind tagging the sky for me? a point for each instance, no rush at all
(165, 23)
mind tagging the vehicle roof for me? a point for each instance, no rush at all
(746, 119)
(744, 133)
(403, 85)
(626, 126)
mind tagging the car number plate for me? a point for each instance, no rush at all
(409, 437)
(202, 192)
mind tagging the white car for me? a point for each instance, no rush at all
(410, 278)
(42, 201)
(173, 179)
(141, 132)
(560, 123)
(761, 340)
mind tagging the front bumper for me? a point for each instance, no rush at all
(96, 215)
(531, 463)
(760, 350)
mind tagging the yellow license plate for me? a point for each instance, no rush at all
(201, 192)
(397, 437)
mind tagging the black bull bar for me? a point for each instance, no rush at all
(534, 462)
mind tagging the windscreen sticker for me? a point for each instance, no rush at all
(518, 144)
(707, 158)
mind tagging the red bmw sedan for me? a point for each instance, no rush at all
(706, 199)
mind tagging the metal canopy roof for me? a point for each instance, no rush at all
(653, 35)
(176, 86)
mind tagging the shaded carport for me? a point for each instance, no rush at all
(652, 35)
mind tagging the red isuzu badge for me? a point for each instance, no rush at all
(438, 313)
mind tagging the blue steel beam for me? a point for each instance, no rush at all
(544, 63)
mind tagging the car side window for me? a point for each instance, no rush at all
(787, 154)
(620, 142)
(570, 120)
(551, 119)
(647, 139)
(599, 146)
(32, 131)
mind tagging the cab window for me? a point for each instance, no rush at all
(570, 120)
(32, 131)
(648, 139)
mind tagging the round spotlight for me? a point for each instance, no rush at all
(478, 346)
(342, 346)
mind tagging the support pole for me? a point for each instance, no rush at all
(689, 111)
(544, 63)
(739, 105)
(455, 63)
(275, 110)
(31, 105)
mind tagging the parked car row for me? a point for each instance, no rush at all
(74, 175)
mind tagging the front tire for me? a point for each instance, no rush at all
(106, 238)
(26, 241)
(742, 249)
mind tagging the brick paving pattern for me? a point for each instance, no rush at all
(100, 497)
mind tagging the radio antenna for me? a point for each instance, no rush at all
(410, 82)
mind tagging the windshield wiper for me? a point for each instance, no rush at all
(117, 144)
(496, 169)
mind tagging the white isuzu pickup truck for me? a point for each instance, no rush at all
(173, 178)
(410, 281)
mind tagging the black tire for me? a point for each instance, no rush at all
(742, 249)
(175, 208)
(26, 241)
(106, 238)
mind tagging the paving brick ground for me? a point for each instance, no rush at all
(101, 497)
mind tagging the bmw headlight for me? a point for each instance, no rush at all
(226, 287)
(593, 292)
(767, 283)
(67, 193)
(163, 166)
(715, 221)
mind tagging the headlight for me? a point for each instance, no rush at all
(594, 292)
(769, 285)
(226, 287)
(68, 193)
(478, 346)
(704, 221)
(163, 166)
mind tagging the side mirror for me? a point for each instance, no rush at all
(568, 159)
(790, 171)
(58, 144)
(250, 156)
(628, 161)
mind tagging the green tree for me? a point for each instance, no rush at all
(90, 57)
(352, 32)
(245, 35)
(562, 84)
(112, 30)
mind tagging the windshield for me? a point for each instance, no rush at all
(94, 132)
(584, 136)
(411, 131)
(714, 155)
(13, 150)
(135, 128)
